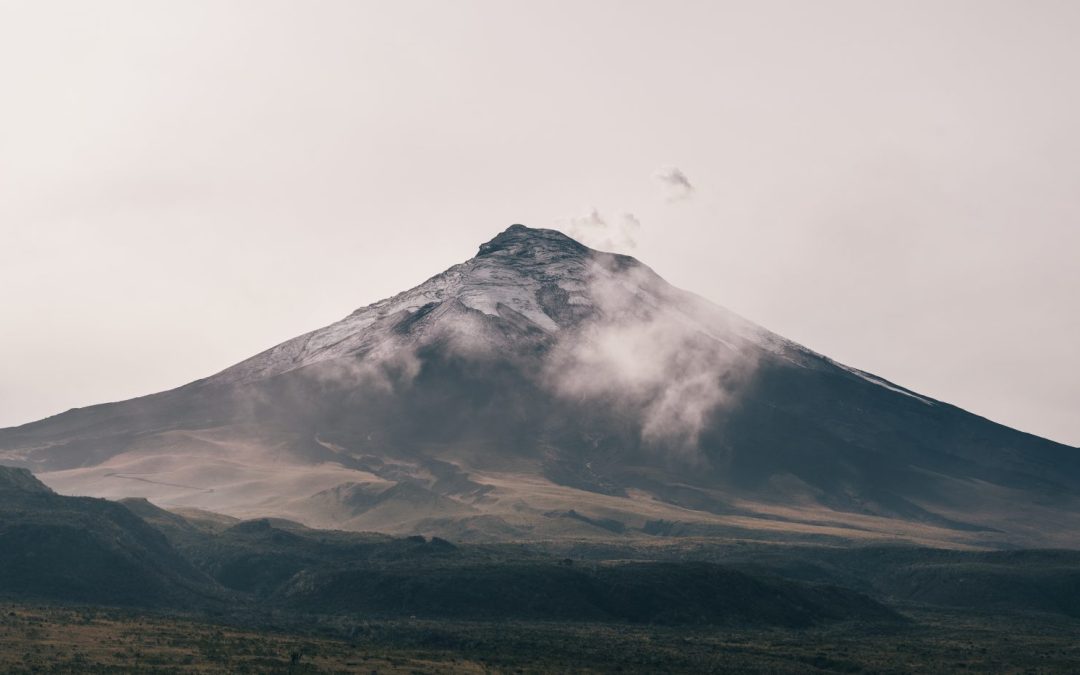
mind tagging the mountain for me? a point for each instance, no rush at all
(545, 390)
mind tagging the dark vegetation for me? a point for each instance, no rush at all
(1045, 581)
(48, 639)
(197, 592)
(133, 553)
(651, 593)
(86, 550)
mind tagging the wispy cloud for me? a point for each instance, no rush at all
(618, 234)
(641, 353)
(676, 185)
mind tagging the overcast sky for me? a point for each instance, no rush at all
(893, 184)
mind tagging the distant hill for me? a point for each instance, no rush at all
(84, 550)
(90, 551)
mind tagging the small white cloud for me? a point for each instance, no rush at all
(676, 185)
(597, 231)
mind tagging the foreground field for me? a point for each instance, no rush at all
(42, 639)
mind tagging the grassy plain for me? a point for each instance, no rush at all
(45, 639)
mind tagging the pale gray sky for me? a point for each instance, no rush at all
(894, 184)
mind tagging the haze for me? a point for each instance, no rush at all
(894, 185)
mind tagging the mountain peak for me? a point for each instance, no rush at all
(519, 240)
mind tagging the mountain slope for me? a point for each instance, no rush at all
(545, 390)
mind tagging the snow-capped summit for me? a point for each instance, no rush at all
(537, 277)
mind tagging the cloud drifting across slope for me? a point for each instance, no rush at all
(642, 353)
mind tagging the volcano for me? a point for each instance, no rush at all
(543, 390)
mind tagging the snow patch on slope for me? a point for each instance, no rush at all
(884, 383)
